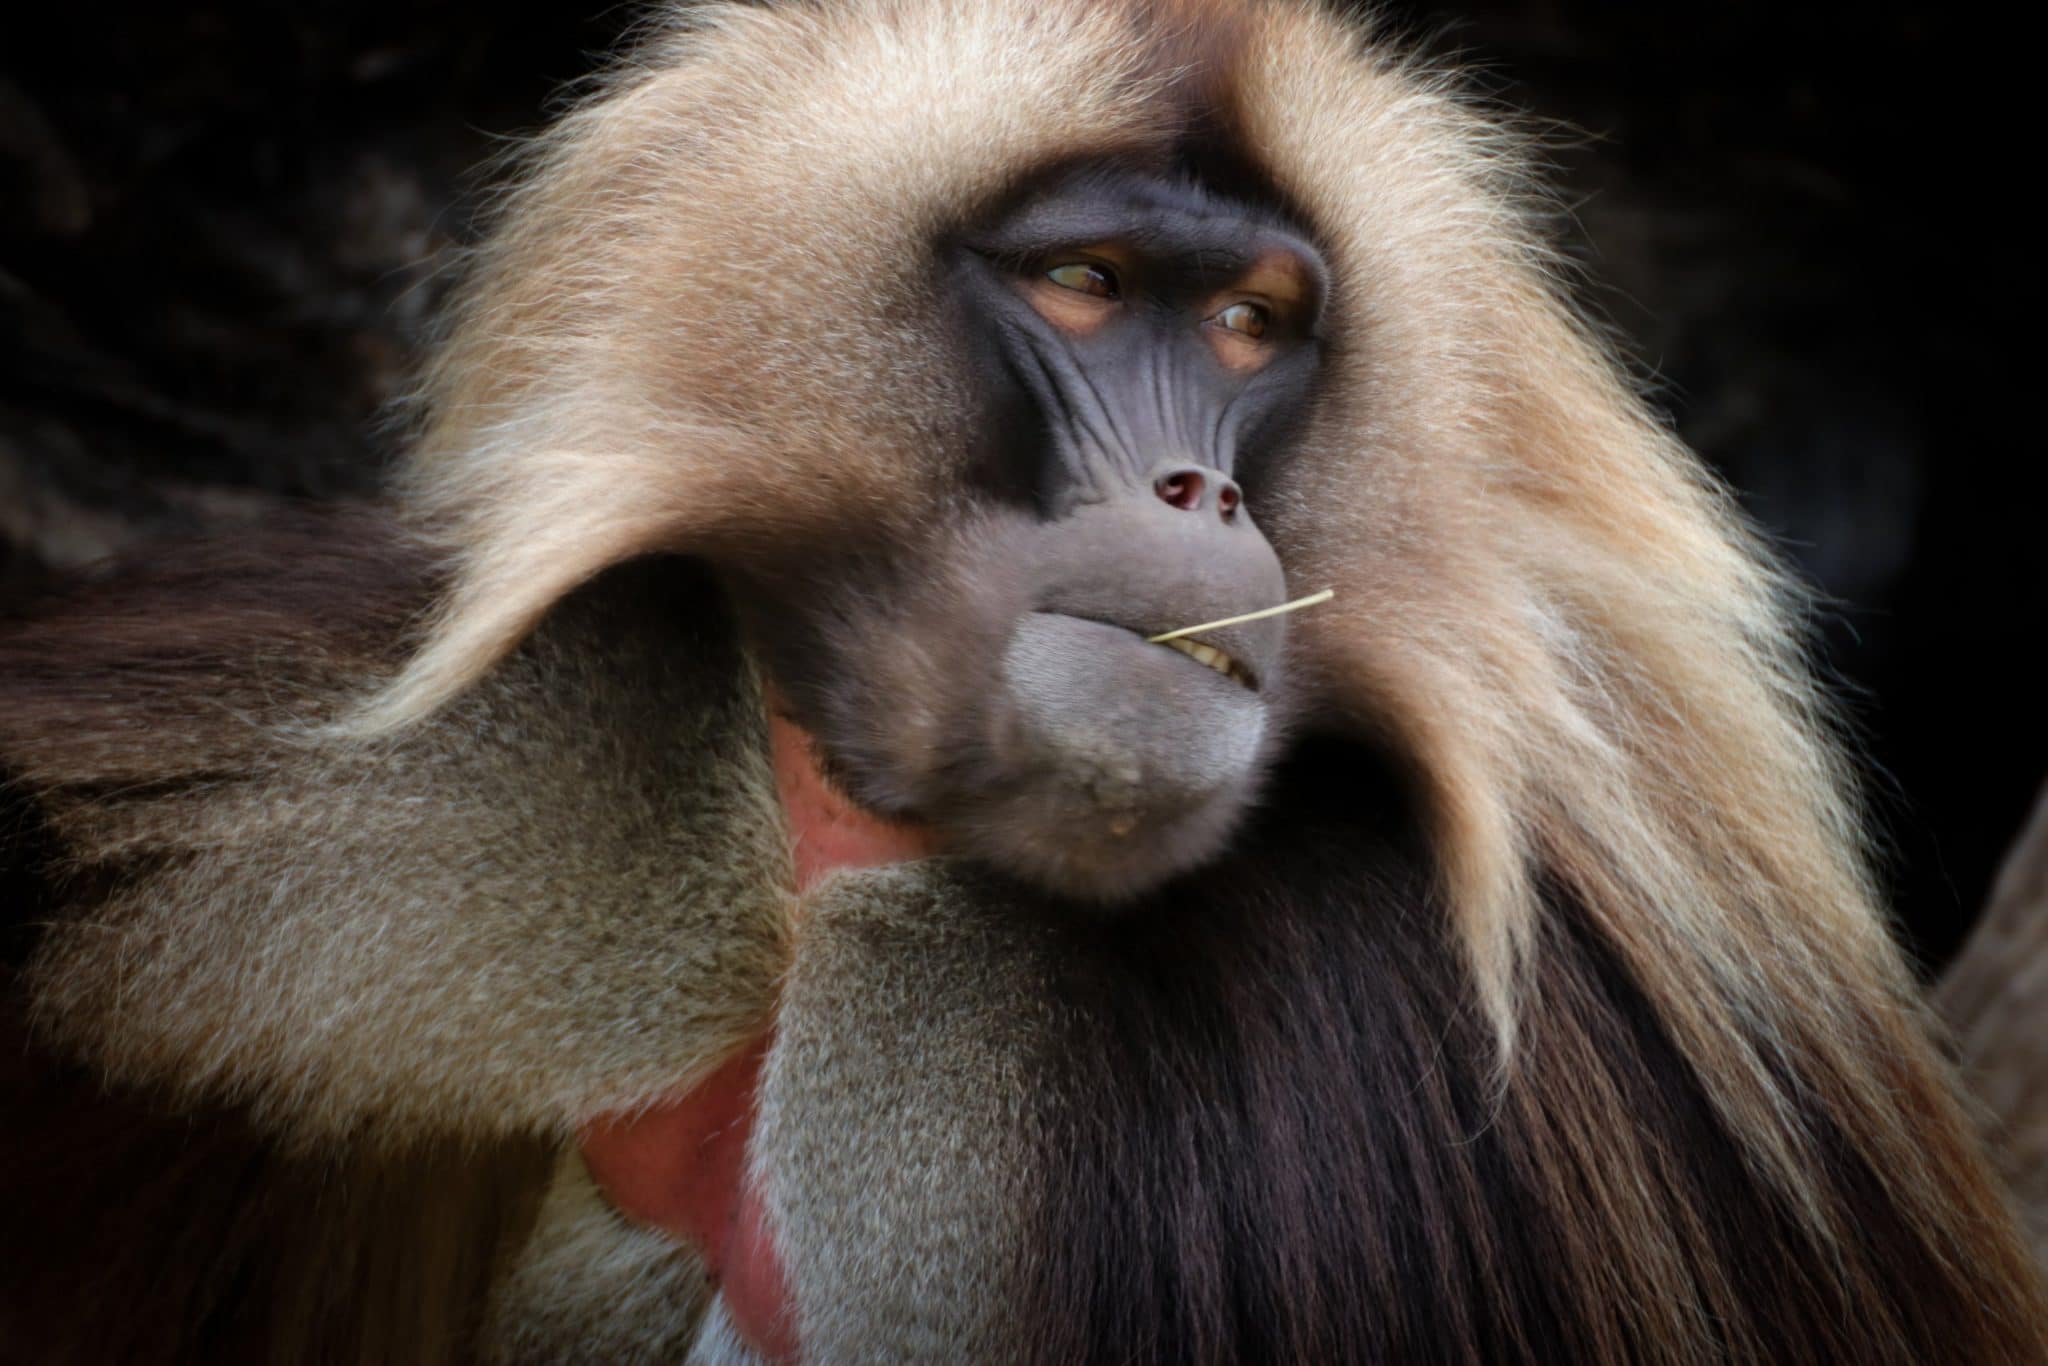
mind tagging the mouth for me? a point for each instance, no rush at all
(1219, 660)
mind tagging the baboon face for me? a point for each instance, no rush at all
(1139, 347)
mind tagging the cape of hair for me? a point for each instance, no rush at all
(1591, 664)
(1594, 669)
(1545, 603)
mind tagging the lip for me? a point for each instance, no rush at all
(1238, 652)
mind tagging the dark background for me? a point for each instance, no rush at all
(220, 222)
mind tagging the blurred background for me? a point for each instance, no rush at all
(220, 225)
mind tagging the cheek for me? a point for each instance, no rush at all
(1239, 354)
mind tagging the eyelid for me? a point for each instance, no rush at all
(1109, 256)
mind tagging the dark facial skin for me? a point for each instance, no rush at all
(1137, 342)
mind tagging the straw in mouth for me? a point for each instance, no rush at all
(1311, 600)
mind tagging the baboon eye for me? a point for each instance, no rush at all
(1085, 277)
(1247, 320)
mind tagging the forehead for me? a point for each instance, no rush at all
(1159, 215)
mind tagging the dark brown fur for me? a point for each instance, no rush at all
(140, 1230)
(186, 651)
(1402, 1208)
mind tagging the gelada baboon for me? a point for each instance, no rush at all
(724, 872)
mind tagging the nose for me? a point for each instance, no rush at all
(1196, 488)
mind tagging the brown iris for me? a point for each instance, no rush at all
(1245, 319)
(1085, 277)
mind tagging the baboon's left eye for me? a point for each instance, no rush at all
(1247, 320)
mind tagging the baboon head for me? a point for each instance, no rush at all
(1131, 342)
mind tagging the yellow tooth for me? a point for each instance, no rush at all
(1211, 656)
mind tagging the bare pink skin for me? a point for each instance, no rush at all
(681, 1166)
(827, 830)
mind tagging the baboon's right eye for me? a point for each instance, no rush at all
(1085, 277)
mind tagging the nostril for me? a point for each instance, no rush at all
(1196, 488)
(1181, 489)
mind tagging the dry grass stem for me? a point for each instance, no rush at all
(1312, 600)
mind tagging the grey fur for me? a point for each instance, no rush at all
(905, 1062)
(589, 1288)
(567, 898)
